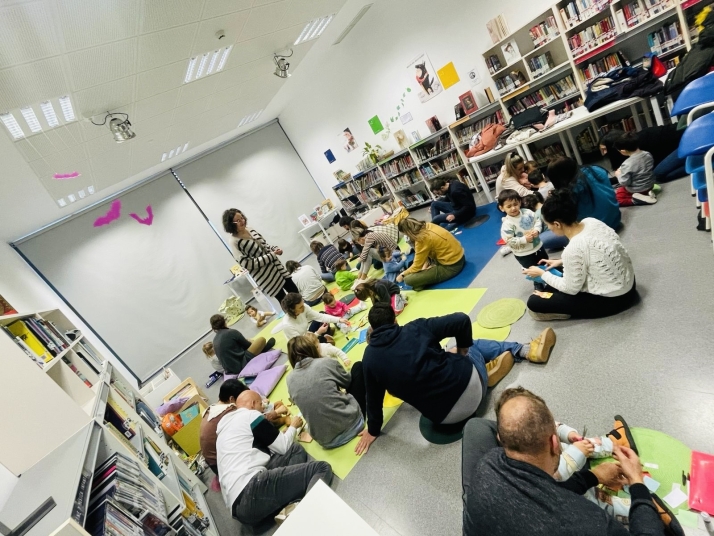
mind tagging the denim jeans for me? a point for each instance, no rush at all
(440, 207)
(327, 277)
(485, 350)
(672, 167)
(441, 220)
(346, 436)
(552, 241)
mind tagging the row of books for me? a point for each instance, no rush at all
(490, 173)
(579, 10)
(602, 65)
(545, 95)
(493, 63)
(431, 169)
(405, 180)
(666, 38)
(351, 203)
(540, 65)
(631, 15)
(398, 165)
(441, 145)
(40, 339)
(586, 141)
(510, 82)
(359, 185)
(412, 199)
(543, 32)
(192, 515)
(544, 155)
(372, 194)
(671, 63)
(467, 132)
(592, 36)
(627, 124)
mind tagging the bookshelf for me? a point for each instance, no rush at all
(363, 191)
(77, 411)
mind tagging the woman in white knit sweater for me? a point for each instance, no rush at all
(598, 278)
(300, 319)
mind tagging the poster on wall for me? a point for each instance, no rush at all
(330, 157)
(510, 51)
(348, 140)
(376, 125)
(474, 77)
(406, 118)
(428, 85)
(448, 75)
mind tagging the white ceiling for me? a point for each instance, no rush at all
(131, 56)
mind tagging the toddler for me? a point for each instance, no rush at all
(635, 174)
(329, 350)
(260, 318)
(210, 354)
(577, 449)
(381, 290)
(394, 263)
(335, 307)
(520, 230)
(346, 249)
(538, 180)
(343, 277)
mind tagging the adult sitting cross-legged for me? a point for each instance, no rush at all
(445, 387)
(262, 470)
(458, 206)
(232, 348)
(509, 487)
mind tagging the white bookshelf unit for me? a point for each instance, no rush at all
(62, 431)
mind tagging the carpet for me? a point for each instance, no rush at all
(492, 334)
(479, 247)
(501, 313)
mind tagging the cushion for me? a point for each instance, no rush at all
(266, 381)
(260, 363)
(171, 406)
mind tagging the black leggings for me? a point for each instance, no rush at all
(583, 304)
(315, 325)
(288, 286)
(357, 387)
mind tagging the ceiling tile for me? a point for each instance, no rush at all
(161, 14)
(155, 105)
(31, 83)
(28, 34)
(100, 145)
(27, 151)
(245, 72)
(221, 98)
(302, 11)
(73, 130)
(263, 20)
(105, 98)
(231, 25)
(198, 89)
(161, 80)
(41, 168)
(60, 188)
(264, 86)
(114, 166)
(263, 2)
(191, 109)
(66, 161)
(87, 23)
(215, 8)
(265, 45)
(148, 153)
(42, 144)
(57, 140)
(97, 65)
(161, 48)
(148, 127)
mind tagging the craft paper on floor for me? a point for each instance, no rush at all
(427, 85)
(688, 519)
(497, 334)
(474, 77)
(375, 124)
(330, 157)
(406, 118)
(676, 497)
(651, 484)
(112, 214)
(145, 221)
(501, 313)
(347, 140)
(448, 75)
(65, 176)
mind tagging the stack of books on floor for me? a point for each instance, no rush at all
(40, 339)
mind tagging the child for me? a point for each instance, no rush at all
(531, 166)
(210, 353)
(349, 251)
(538, 180)
(635, 174)
(343, 277)
(260, 318)
(335, 307)
(513, 176)
(381, 290)
(329, 350)
(520, 230)
(394, 263)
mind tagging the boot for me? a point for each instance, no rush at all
(620, 434)
(499, 367)
(541, 347)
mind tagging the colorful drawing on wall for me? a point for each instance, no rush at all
(330, 157)
(65, 176)
(304, 220)
(375, 124)
(406, 118)
(474, 77)
(348, 140)
(448, 75)
(401, 138)
(428, 84)
(400, 106)
(113, 214)
(144, 221)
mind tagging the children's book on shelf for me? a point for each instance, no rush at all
(510, 82)
(405, 180)
(586, 141)
(74, 369)
(26, 332)
(490, 173)
(398, 165)
(667, 38)
(545, 154)
(442, 144)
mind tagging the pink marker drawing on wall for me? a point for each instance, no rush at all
(113, 214)
(144, 221)
(65, 176)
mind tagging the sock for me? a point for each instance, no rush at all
(523, 352)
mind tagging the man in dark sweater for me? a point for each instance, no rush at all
(459, 207)
(232, 348)
(446, 387)
(509, 490)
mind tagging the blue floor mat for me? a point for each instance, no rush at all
(479, 246)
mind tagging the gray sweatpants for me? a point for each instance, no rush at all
(287, 479)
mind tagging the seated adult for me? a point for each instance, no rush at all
(591, 188)
(509, 487)
(372, 239)
(438, 255)
(330, 398)
(513, 177)
(459, 206)
(445, 387)
(308, 282)
(230, 390)
(661, 142)
(598, 277)
(232, 348)
(300, 319)
(260, 469)
(327, 256)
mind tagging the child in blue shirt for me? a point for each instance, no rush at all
(394, 263)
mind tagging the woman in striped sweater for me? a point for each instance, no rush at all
(257, 256)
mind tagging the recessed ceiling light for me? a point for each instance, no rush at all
(214, 59)
(61, 202)
(31, 119)
(82, 195)
(222, 63)
(171, 153)
(163, 157)
(250, 118)
(12, 125)
(202, 66)
(90, 189)
(314, 29)
(49, 112)
(185, 147)
(67, 111)
(71, 198)
(178, 150)
(189, 70)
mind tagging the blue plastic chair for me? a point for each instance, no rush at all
(697, 146)
(696, 93)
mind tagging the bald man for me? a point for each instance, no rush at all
(508, 482)
(260, 469)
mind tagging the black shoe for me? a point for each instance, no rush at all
(269, 345)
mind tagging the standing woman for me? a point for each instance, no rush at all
(372, 239)
(257, 256)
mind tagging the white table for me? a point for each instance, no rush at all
(307, 232)
(323, 513)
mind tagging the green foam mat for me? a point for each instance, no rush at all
(501, 313)
(493, 334)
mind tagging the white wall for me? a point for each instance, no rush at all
(345, 85)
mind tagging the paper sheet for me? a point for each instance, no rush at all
(675, 497)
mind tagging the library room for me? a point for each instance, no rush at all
(219, 218)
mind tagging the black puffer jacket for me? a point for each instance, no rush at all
(695, 63)
(619, 84)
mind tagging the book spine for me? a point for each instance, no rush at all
(31, 324)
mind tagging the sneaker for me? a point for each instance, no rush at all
(644, 198)
(671, 523)
(620, 434)
(546, 317)
(213, 378)
(285, 512)
(505, 250)
(541, 346)
(269, 345)
(499, 367)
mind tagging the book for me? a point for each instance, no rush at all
(20, 329)
(74, 369)
(39, 332)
